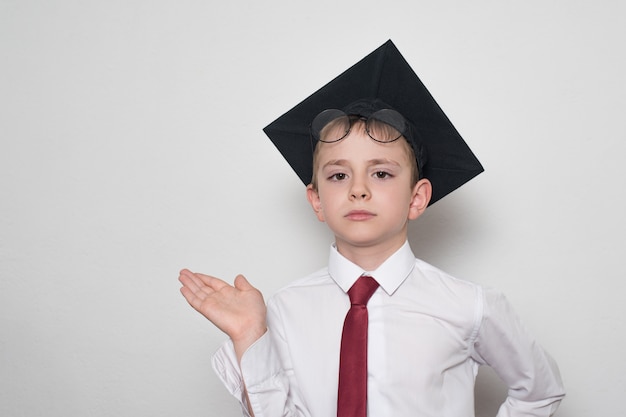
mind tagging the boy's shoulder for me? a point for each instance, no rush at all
(307, 290)
(431, 272)
(434, 283)
(483, 298)
(319, 278)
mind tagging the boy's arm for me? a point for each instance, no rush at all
(239, 310)
(250, 364)
(532, 376)
(270, 387)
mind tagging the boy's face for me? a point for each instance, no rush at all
(365, 192)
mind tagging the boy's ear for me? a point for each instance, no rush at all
(314, 200)
(422, 192)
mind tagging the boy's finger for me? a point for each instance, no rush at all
(194, 285)
(200, 279)
(211, 282)
(192, 298)
(241, 283)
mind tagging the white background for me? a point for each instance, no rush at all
(131, 147)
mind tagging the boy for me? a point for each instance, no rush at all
(378, 332)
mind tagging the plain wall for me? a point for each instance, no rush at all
(131, 147)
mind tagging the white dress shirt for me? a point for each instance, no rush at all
(428, 334)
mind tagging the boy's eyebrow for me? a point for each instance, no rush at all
(371, 162)
(340, 162)
(382, 161)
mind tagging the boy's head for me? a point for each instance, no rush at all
(366, 185)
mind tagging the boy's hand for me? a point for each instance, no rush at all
(239, 310)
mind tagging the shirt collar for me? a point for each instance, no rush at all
(390, 274)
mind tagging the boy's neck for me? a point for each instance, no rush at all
(369, 257)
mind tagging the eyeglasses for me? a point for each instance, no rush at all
(383, 126)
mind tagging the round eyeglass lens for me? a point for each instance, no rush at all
(331, 125)
(386, 125)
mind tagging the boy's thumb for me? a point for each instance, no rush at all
(241, 283)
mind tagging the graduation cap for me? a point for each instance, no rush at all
(383, 75)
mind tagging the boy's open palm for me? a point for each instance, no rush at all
(239, 310)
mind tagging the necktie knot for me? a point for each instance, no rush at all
(362, 290)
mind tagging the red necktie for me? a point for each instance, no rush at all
(352, 401)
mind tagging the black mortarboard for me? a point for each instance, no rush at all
(383, 75)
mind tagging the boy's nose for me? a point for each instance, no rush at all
(359, 191)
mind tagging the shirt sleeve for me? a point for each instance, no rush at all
(534, 383)
(265, 373)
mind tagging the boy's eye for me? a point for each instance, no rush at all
(382, 174)
(338, 176)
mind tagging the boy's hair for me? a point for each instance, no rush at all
(359, 125)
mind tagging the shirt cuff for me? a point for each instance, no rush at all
(258, 364)
(226, 367)
(259, 375)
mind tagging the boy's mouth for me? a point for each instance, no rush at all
(359, 215)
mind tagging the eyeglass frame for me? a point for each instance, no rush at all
(395, 116)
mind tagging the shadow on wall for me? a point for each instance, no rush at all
(490, 393)
(449, 230)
